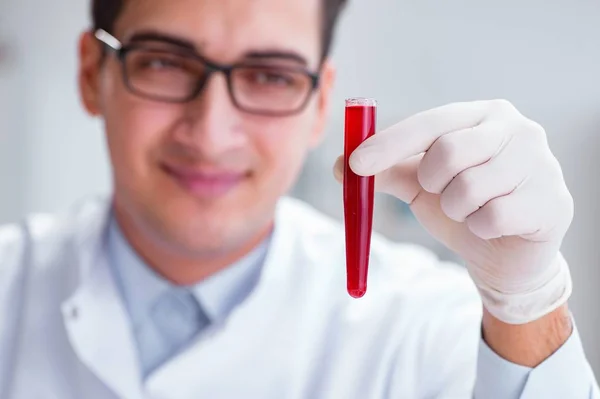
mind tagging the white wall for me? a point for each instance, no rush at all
(11, 124)
(59, 152)
(542, 55)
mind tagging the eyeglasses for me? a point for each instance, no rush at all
(169, 74)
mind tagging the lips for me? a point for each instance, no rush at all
(205, 183)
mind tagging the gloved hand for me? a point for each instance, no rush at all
(481, 178)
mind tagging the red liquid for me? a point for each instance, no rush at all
(358, 200)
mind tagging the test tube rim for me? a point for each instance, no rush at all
(361, 102)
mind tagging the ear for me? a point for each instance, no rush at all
(90, 64)
(327, 80)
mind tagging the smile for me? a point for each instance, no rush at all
(205, 184)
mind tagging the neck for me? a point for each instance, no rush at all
(176, 266)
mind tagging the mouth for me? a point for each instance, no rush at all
(205, 183)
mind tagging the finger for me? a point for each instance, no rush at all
(399, 181)
(476, 186)
(416, 134)
(516, 214)
(454, 152)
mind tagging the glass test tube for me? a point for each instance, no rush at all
(358, 195)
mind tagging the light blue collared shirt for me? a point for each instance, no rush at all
(183, 311)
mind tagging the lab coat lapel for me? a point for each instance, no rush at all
(94, 317)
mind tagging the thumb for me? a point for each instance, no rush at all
(338, 169)
(400, 180)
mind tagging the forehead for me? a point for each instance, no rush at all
(226, 29)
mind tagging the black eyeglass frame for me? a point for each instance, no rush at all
(121, 51)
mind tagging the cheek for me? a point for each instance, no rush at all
(283, 145)
(135, 128)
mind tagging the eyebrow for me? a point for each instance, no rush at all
(186, 44)
(276, 54)
(153, 36)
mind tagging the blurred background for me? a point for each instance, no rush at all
(542, 55)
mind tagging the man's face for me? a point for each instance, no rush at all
(204, 176)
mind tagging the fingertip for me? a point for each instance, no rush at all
(361, 164)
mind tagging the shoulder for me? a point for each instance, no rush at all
(410, 266)
(311, 228)
(13, 244)
(42, 240)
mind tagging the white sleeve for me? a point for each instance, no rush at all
(565, 374)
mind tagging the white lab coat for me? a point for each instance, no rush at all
(64, 333)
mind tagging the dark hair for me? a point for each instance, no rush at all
(106, 12)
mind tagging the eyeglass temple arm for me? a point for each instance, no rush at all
(108, 39)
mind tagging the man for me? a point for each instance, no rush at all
(198, 280)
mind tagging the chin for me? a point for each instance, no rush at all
(211, 227)
(205, 238)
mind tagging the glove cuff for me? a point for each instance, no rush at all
(522, 308)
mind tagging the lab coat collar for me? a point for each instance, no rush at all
(94, 317)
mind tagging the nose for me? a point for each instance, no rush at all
(213, 125)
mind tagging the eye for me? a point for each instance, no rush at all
(158, 62)
(270, 78)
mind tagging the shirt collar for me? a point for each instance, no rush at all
(220, 293)
(141, 286)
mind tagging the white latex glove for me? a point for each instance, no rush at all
(481, 178)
